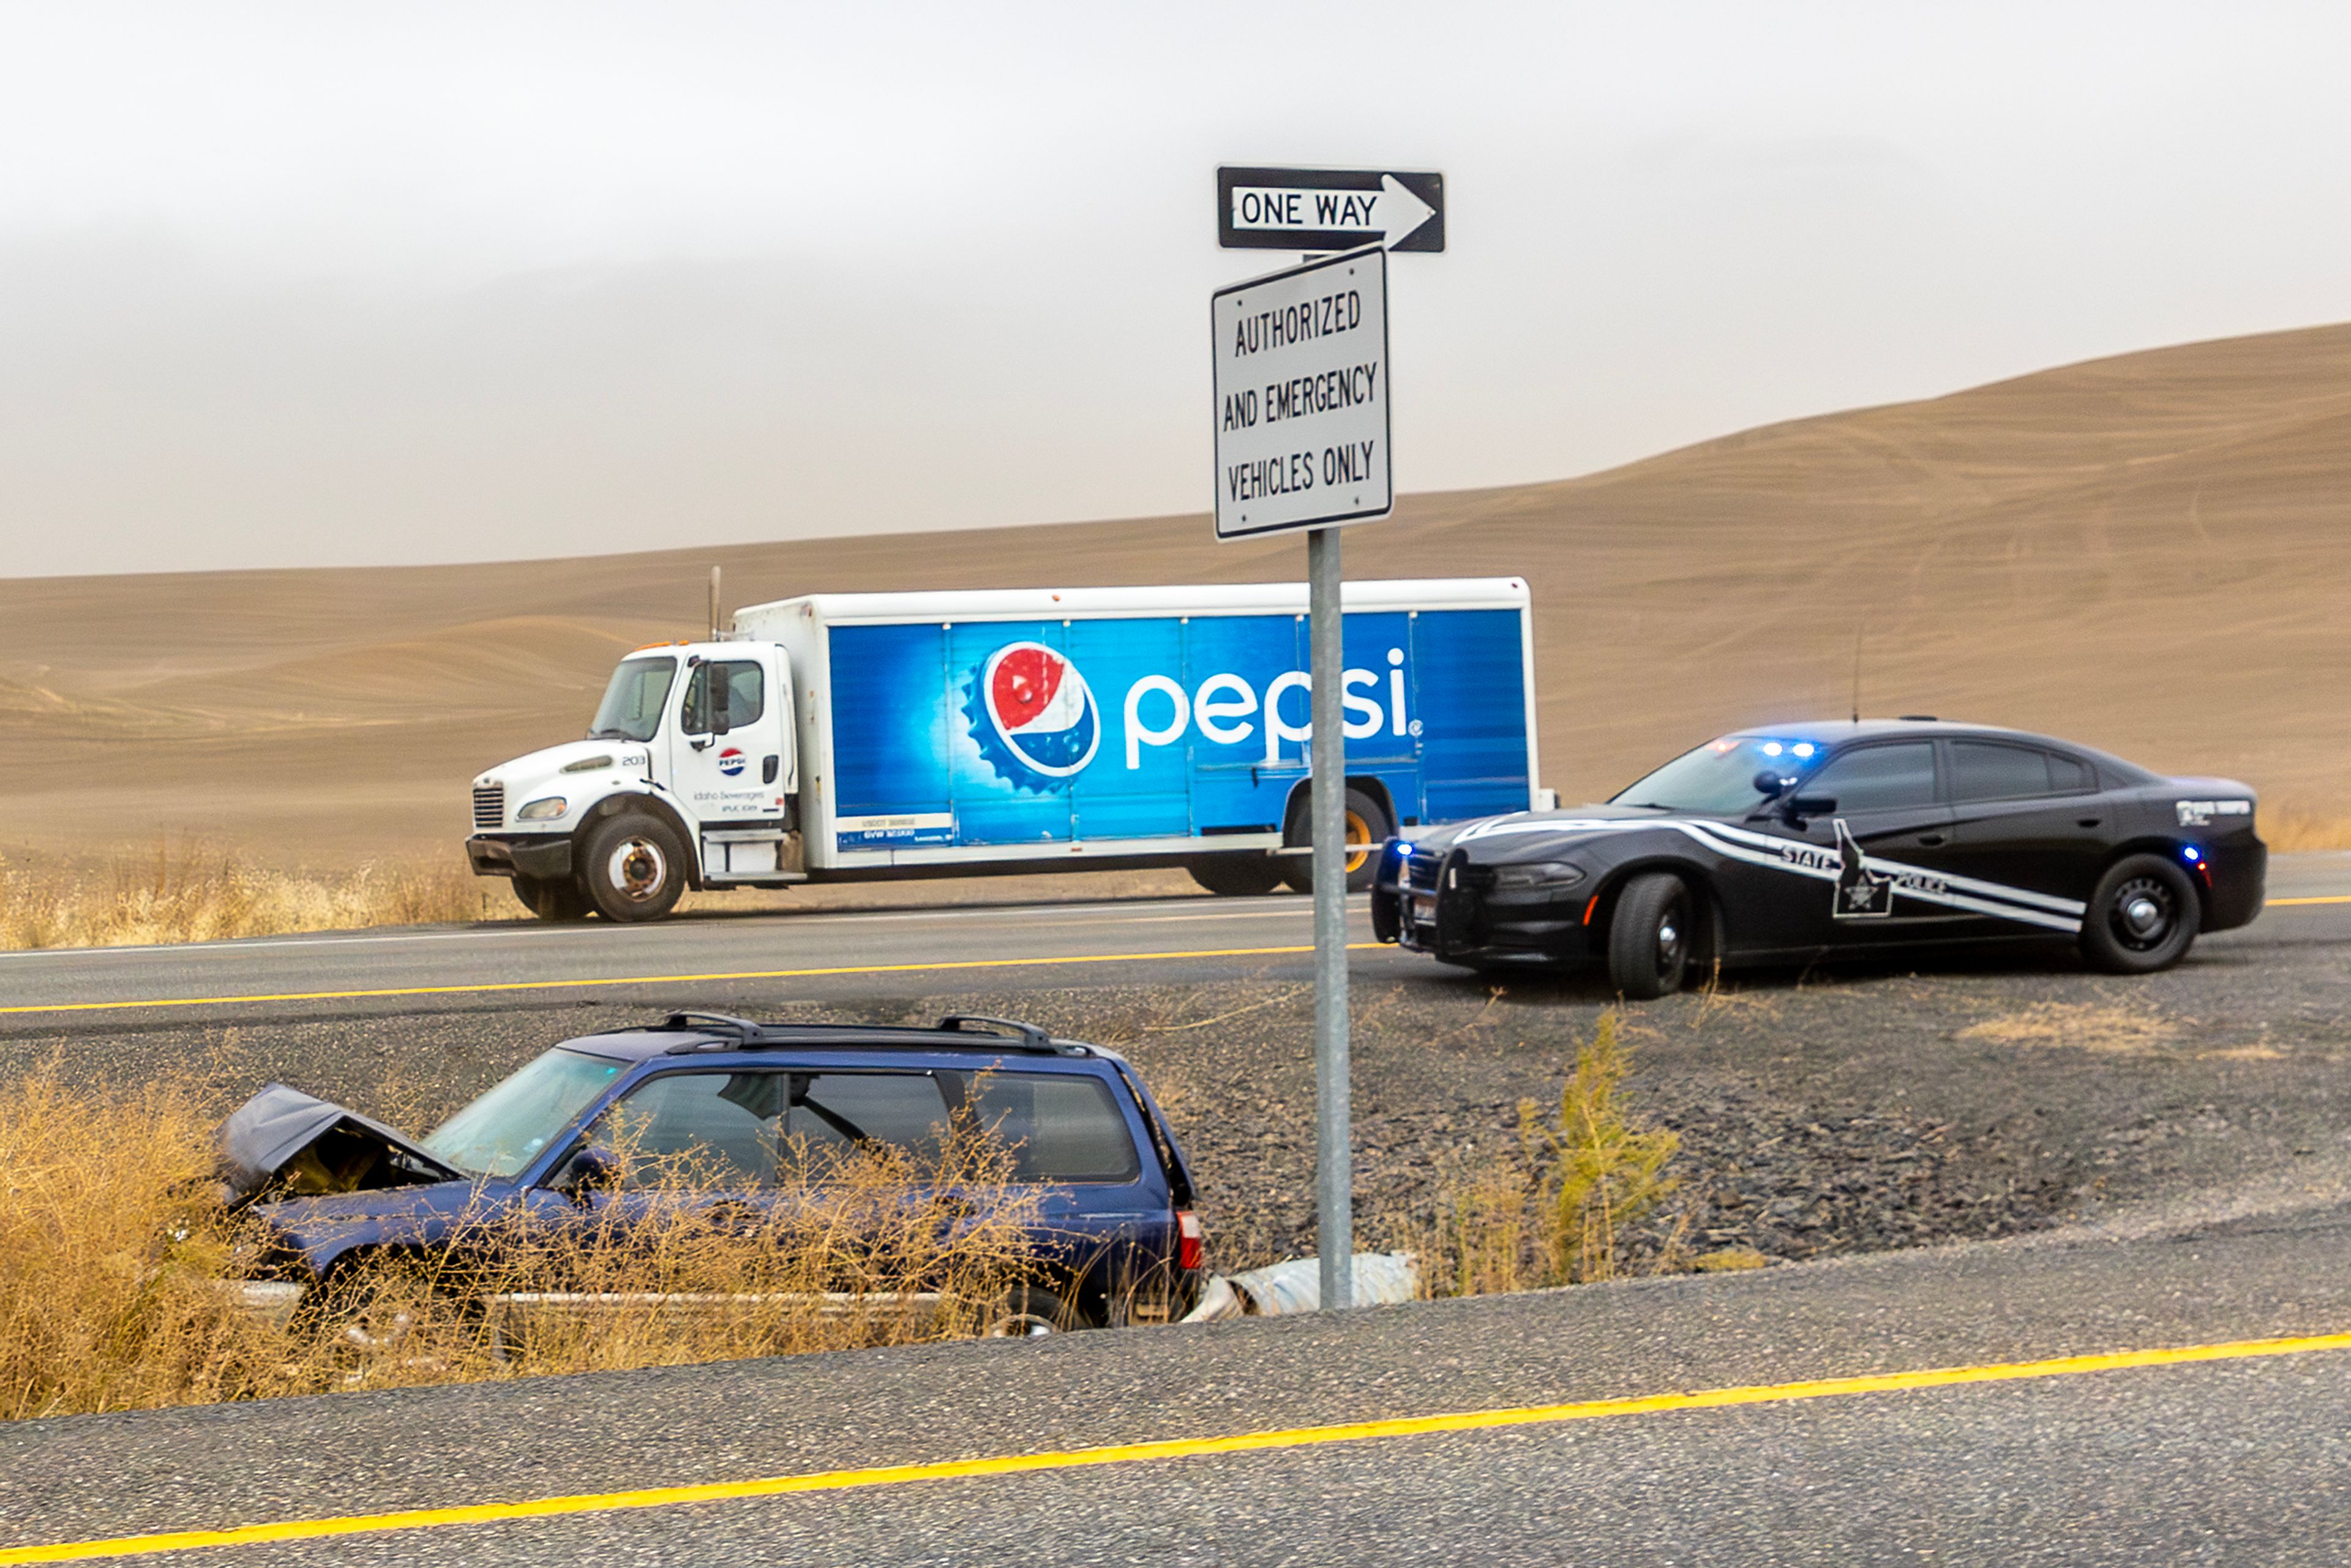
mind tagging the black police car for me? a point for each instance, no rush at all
(1797, 841)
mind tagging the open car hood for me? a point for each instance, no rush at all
(292, 1144)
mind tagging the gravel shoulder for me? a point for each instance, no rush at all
(1820, 1113)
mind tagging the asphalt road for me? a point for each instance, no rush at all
(809, 956)
(2235, 1460)
(844, 954)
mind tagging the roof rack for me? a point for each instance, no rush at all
(743, 1034)
(1032, 1038)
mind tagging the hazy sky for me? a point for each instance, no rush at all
(303, 283)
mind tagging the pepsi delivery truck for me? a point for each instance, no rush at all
(846, 736)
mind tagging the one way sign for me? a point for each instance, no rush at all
(1328, 209)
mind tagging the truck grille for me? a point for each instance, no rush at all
(490, 807)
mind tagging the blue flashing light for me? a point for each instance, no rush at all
(2191, 852)
(1802, 749)
(1404, 850)
(1772, 749)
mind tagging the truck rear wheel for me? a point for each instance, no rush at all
(1367, 825)
(551, 898)
(633, 867)
(1237, 875)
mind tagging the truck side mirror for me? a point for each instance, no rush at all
(719, 697)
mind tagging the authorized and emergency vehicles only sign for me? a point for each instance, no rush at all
(1301, 361)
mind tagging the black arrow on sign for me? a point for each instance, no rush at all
(1328, 209)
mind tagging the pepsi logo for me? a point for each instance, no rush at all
(1034, 716)
(730, 762)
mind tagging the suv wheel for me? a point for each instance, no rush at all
(633, 867)
(1028, 1312)
(2142, 917)
(1649, 936)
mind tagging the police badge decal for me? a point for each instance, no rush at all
(1861, 894)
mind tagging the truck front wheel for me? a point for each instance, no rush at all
(633, 867)
(556, 898)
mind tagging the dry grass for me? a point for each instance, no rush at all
(117, 1292)
(2288, 830)
(2099, 1027)
(185, 892)
(1554, 1210)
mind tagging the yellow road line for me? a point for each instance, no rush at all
(2330, 898)
(665, 979)
(1172, 1448)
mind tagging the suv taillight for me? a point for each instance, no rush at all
(1190, 1240)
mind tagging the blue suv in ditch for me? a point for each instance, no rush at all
(1115, 1236)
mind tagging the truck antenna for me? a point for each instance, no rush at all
(714, 604)
(1857, 661)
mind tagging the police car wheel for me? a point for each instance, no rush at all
(2143, 917)
(1367, 826)
(1649, 936)
(1239, 876)
(551, 898)
(633, 867)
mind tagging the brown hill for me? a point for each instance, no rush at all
(2148, 553)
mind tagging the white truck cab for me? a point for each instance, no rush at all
(687, 779)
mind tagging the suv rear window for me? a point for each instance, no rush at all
(1059, 1126)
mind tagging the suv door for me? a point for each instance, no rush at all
(1887, 807)
(2026, 817)
(1105, 1211)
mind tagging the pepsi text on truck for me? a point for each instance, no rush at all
(847, 736)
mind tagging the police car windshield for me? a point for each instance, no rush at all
(1717, 779)
(632, 709)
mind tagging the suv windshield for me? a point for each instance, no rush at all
(1717, 779)
(632, 709)
(499, 1134)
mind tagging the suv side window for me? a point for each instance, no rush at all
(830, 1113)
(1879, 777)
(1988, 770)
(1058, 1127)
(683, 1128)
(747, 695)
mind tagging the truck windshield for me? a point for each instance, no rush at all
(1717, 779)
(499, 1133)
(632, 709)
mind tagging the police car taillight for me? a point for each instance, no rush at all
(1190, 1240)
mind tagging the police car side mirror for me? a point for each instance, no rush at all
(1802, 806)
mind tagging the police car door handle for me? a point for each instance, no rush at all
(1930, 840)
(2087, 821)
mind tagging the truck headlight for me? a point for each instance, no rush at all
(541, 809)
(1537, 873)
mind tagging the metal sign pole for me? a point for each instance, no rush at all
(1335, 1161)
